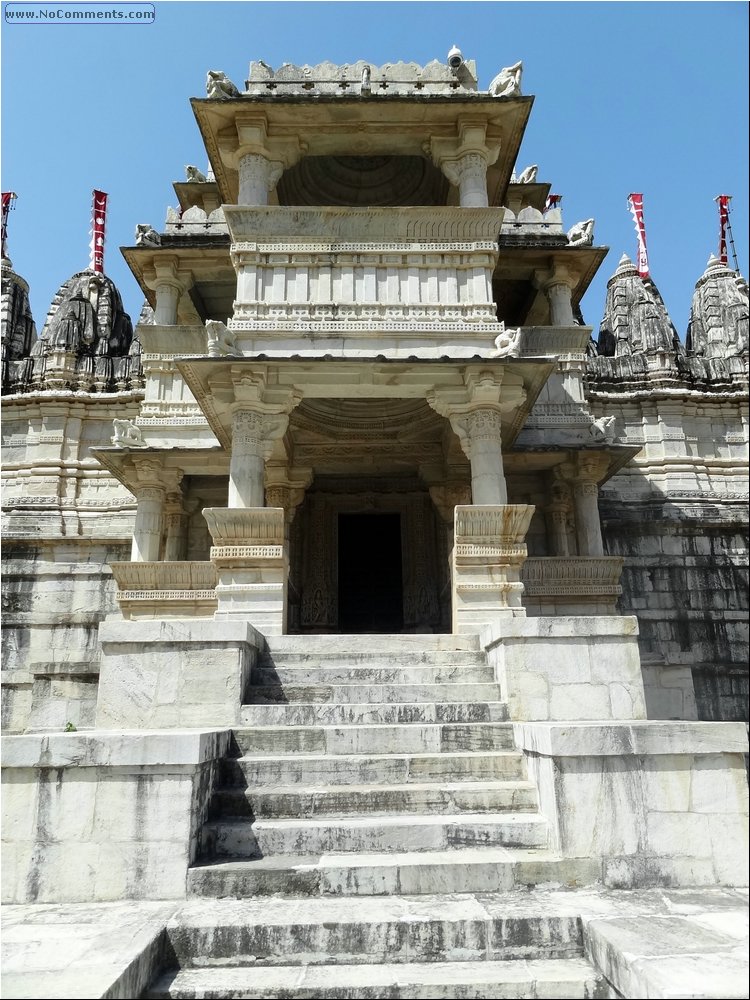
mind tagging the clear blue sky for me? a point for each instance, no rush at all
(645, 97)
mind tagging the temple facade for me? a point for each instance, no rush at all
(363, 567)
(358, 320)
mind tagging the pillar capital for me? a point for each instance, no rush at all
(464, 159)
(149, 471)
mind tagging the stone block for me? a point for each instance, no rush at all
(677, 833)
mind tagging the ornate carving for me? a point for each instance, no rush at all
(219, 86)
(603, 429)
(146, 235)
(193, 175)
(220, 340)
(635, 317)
(508, 343)
(582, 233)
(570, 575)
(718, 326)
(507, 83)
(527, 176)
(127, 434)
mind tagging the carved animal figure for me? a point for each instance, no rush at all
(528, 176)
(195, 175)
(507, 343)
(507, 82)
(127, 434)
(219, 86)
(582, 233)
(603, 429)
(220, 339)
(146, 235)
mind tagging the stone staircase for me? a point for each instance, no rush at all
(381, 768)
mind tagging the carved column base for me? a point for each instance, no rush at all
(488, 554)
(252, 562)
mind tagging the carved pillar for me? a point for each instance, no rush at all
(557, 513)
(588, 525)
(589, 473)
(465, 156)
(175, 543)
(168, 286)
(558, 284)
(481, 438)
(149, 517)
(258, 176)
(253, 434)
(247, 461)
(469, 174)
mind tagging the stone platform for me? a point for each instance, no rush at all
(541, 943)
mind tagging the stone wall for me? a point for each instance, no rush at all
(127, 807)
(55, 594)
(686, 579)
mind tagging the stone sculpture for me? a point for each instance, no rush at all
(219, 87)
(507, 343)
(366, 80)
(507, 83)
(528, 176)
(220, 339)
(127, 435)
(603, 429)
(194, 175)
(146, 235)
(582, 233)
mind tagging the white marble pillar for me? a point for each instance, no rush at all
(247, 463)
(167, 300)
(469, 175)
(483, 441)
(149, 521)
(560, 303)
(588, 525)
(258, 176)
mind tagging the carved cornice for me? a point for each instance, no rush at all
(327, 227)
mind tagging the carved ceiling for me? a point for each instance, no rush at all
(360, 181)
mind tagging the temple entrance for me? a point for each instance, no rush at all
(370, 582)
(368, 554)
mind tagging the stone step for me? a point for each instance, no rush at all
(403, 713)
(366, 642)
(380, 769)
(353, 800)
(480, 869)
(377, 673)
(389, 929)
(570, 977)
(375, 694)
(375, 656)
(429, 738)
(371, 833)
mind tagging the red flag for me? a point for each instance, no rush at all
(8, 198)
(553, 200)
(98, 227)
(635, 202)
(723, 201)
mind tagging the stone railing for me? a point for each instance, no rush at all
(165, 589)
(365, 274)
(572, 585)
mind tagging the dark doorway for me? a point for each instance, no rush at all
(370, 586)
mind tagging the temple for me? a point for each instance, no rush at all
(361, 506)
